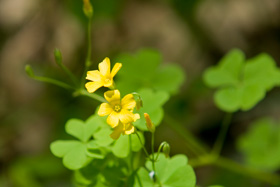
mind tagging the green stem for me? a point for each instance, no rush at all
(53, 81)
(69, 73)
(222, 134)
(131, 155)
(231, 165)
(247, 171)
(159, 148)
(88, 59)
(91, 95)
(145, 150)
(153, 154)
(194, 144)
(153, 159)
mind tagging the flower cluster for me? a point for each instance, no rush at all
(119, 111)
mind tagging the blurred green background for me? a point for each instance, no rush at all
(193, 34)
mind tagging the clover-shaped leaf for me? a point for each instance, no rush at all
(142, 70)
(79, 129)
(171, 172)
(261, 145)
(72, 151)
(152, 104)
(122, 145)
(76, 153)
(242, 84)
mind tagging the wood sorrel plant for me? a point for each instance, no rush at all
(108, 147)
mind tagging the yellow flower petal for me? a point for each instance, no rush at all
(128, 102)
(115, 69)
(113, 119)
(117, 131)
(128, 129)
(112, 96)
(126, 117)
(104, 67)
(94, 76)
(105, 109)
(93, 86)
(136, 116)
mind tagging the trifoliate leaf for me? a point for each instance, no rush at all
(152, 104)
(79, 129)
(171, 172)
(168, 78)
(241, 85)
(261, 145)
(72, 151)
(94, 150)
(143, 70)
(102, 137)
(228, 70)
(262, 70)
(75, 153)
(122, 145)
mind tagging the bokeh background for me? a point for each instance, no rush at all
(194, 34)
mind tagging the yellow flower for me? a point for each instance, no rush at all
(117, 109)
(123, 129)
(103, 77)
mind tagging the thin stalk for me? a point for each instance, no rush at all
(88, 59)
(153, 159)
(131, 155)
(193, 143)
(236, 167)
(153, 154)
(222, 134)
(248, 171)
(145, 150)
(69, 73)
(53, 81)
(91, 95)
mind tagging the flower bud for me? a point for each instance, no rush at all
(88, 10)
(57, 56)
(139, 103)
(166, 149)
(29, 70)
(151, 127)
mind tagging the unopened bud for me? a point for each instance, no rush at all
(166, 149)
(29, 70)
(88, 10)
(57, 56)
(139, 103)
(150, 125)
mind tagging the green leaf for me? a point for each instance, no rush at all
(228, 70)
(251, 94)
(155, 110)
(79, 129)
(261, 145)
(168, 78)
(73, 153)
(262, 70)
(228, 99)
(172, 172)
(94, 151)
(121, 147)
(142, 70)
(242, 85)
(103, 137)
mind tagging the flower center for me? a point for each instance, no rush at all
(107, 80)
(117, 108)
